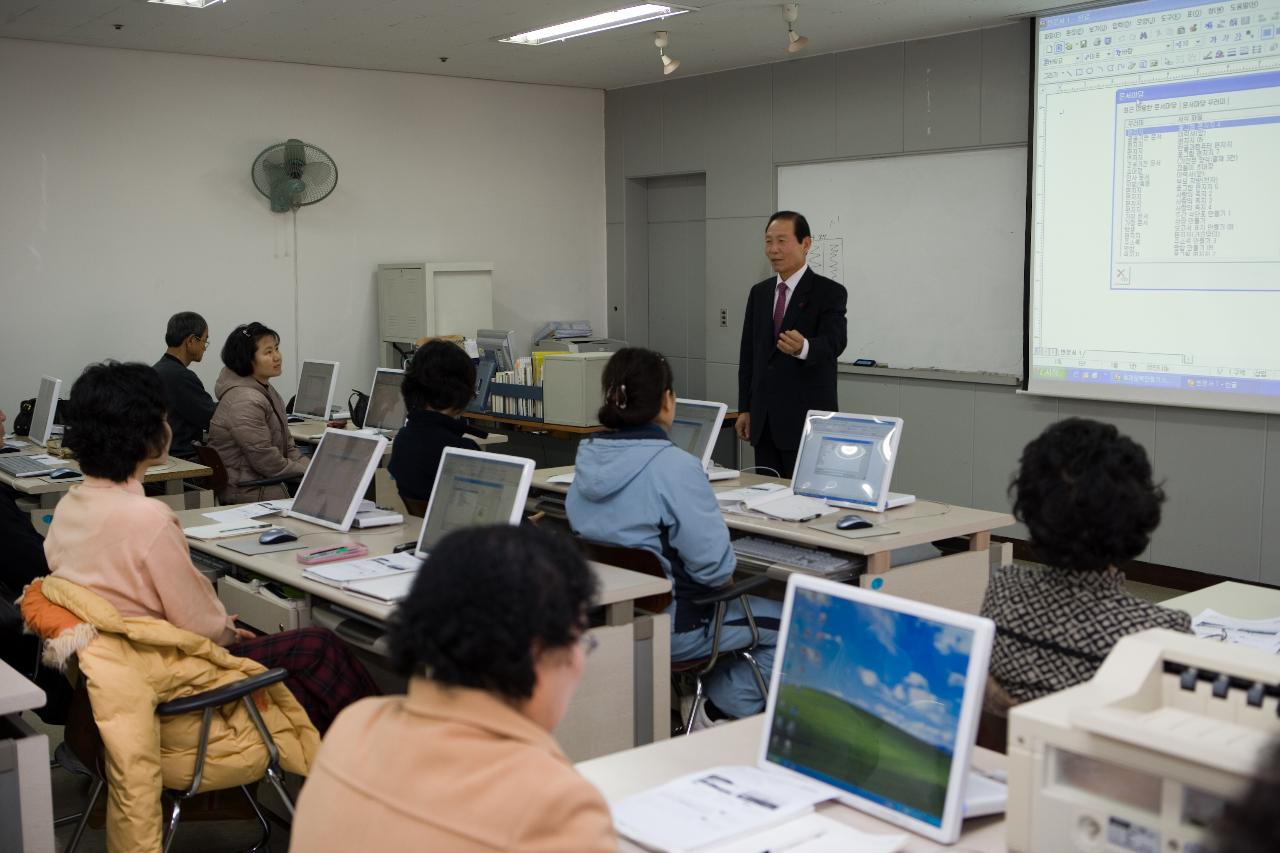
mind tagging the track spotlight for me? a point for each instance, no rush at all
(660, 41)
(795, 41)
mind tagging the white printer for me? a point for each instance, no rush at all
(1141, 758)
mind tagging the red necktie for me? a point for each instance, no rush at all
(779, 308)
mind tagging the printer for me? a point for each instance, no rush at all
(579, 345)
(1143, 757)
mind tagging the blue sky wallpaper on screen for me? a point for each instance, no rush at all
(905, 670)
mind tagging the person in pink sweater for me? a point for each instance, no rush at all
(109, 537)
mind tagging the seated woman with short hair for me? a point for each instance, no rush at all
(492, 637)
(632, 487)
(111, 539)
(249, 429)
(1086, 495)
(438, 384)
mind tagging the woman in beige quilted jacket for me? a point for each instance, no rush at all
(250, 429)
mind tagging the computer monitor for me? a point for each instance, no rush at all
(316, 386)
(474, 488)
(878, 698)
(46, 408)
(847, 460)
(498, 345)
(337, 478)
(386, 404)
(696, 427)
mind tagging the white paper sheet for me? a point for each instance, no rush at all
(713, 806)
(814, 833)
(1255, 633)
(223, 531)
(243, 512)
(348, 571)
(773, 500)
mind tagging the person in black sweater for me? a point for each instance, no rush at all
(190, 406)
(438, 384)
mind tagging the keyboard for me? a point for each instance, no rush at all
(24, 466)
(769, 552)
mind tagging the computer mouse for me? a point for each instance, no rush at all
(276, 535)
(63, 474)
(852, 522)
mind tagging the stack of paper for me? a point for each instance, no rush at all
(773, 500)
(714, 806)
(1256, 633)
(384, 579)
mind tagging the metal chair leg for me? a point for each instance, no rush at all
(693, 709)
(265, 838)
(755, 671)
(98, 784)
(276, 777)
(173, 824)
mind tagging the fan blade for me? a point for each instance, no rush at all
(318, 174)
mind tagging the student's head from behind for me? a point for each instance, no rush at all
(1086, 494)
(638, 389)
(501, 609)
(786, 241)
(440, 377)
(116, 420)
(1250, 823)
(187, 333)
(253, 350)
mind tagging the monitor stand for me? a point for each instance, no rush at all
(984, 795)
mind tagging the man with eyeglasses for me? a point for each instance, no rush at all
(190, 406)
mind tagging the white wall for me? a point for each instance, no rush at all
(125, 196)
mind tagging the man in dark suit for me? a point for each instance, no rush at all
(190, 406)
(792, 332)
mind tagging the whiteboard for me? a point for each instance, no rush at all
(930, 248)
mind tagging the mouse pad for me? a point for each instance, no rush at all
(252, 547)
(827, 524)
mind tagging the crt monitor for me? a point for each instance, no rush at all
(499, 346)
(474, 488)
(337, 478)
(878, 698)
(386, 409)
(316, 386)
(696, 426)
(847, 460)
(46, 407)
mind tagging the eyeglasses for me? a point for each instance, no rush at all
(589, 643)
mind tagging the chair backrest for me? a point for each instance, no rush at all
(210, 459)
(635, 559)
(993, 724)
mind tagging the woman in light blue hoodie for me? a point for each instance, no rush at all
(632, 487)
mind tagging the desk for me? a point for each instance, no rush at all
(956, 581)
(26, 804)
(1230, 598)
(309, 432)
(172, 473)
(635, 770)
(624, 698)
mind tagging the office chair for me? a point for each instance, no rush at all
(646, 562)
(86, 744)
(210, 459)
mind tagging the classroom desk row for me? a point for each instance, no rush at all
(957, 581)
(624, 698)
(309, 432)
(171, 474)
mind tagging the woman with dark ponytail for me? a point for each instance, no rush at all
(632, 487)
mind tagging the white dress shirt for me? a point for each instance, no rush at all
(791, 281)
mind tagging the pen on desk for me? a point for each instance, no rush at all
(245, 529)
(791, 845)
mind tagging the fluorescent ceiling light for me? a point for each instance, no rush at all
(597, 23)
(190, 4)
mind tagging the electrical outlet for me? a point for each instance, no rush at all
(724, 318)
